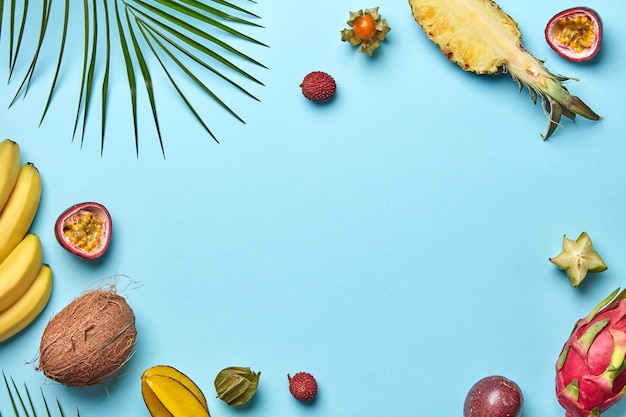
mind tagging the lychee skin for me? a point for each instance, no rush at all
(318, 86)
(302, 386)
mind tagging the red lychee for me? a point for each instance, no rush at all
(318, 86)
(302, 386)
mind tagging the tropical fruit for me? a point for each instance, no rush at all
(590, 375)
(480, 37)
(168, 392)
(25, 281)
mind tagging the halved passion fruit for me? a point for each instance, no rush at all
(575, 34)
(85, 230)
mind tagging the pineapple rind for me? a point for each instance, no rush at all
(480, 37)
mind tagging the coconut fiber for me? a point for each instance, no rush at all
(89, 340)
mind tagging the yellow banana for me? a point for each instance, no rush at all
(19, 269)
(28, 307)
(167, 396)
(9, 168)
(19, 211)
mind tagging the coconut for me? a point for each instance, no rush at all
(89, 340)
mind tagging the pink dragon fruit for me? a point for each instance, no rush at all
(589, 371)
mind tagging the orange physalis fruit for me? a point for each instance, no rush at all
(367, 29)
(364, 27)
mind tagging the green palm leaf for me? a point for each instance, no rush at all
(145, 72)
(45, 15)
(171, 31)
(22, 403)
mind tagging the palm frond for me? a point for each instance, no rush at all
(130, 74)
(147, 78)
(45, 16)
(20, 36)
(105, 79)
(190, 42)
(21, 402)
(1, 14)
(175, 33)
(143, 29)
(59, 60)
(89, 80)
(217, 12)
(83, 77)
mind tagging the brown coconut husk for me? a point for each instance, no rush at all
(89, 340)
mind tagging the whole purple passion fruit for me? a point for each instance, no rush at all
(494, 396)
(575, 34)
(85, 230)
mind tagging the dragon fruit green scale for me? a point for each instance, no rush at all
(590, 375)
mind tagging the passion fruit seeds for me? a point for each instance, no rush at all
(85, 230)
(575, 34)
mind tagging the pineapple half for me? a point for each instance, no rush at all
(480, 37)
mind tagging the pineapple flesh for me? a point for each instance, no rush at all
(479, 37)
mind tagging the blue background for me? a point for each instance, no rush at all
(394, 242)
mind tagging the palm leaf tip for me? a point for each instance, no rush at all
(22, 400)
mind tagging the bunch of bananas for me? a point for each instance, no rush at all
(168, 392)
(25, 281)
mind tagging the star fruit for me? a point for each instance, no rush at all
(577, 258)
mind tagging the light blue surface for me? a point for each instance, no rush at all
(393, 242)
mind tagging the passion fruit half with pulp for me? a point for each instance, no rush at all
(85, 230)
(575, 34)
